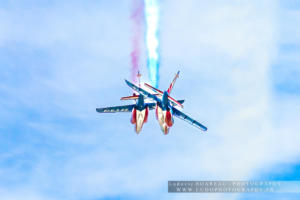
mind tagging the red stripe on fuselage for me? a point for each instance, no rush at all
(133, 117)
(168, 118)
(146, 114)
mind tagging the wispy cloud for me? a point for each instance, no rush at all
(61, 60)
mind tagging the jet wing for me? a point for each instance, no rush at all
(113, 109)
(142, 91)
(161, 93)
(188, 119)
(125, 108)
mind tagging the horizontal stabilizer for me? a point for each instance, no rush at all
(180, 101)
(175, 102)
(133, 97)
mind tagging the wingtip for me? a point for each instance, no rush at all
(127, 82)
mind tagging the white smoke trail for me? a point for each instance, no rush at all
(152, 42)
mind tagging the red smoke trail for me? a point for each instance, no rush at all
(137, 18)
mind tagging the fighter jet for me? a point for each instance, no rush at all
(166, 106)
(139, 110)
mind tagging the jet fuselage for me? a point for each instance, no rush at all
(164, 113)
(139, 114)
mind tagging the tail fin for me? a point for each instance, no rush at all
(173, 82)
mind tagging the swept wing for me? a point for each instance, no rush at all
(188, 119)
(125, 108)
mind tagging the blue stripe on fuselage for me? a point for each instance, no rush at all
(140, 104)
(165, 101)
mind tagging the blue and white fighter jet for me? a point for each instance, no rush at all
(166, 107)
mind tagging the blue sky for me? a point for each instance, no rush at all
(60, 59)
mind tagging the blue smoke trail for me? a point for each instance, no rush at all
(152, 42)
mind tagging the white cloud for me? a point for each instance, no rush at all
(224, 51)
